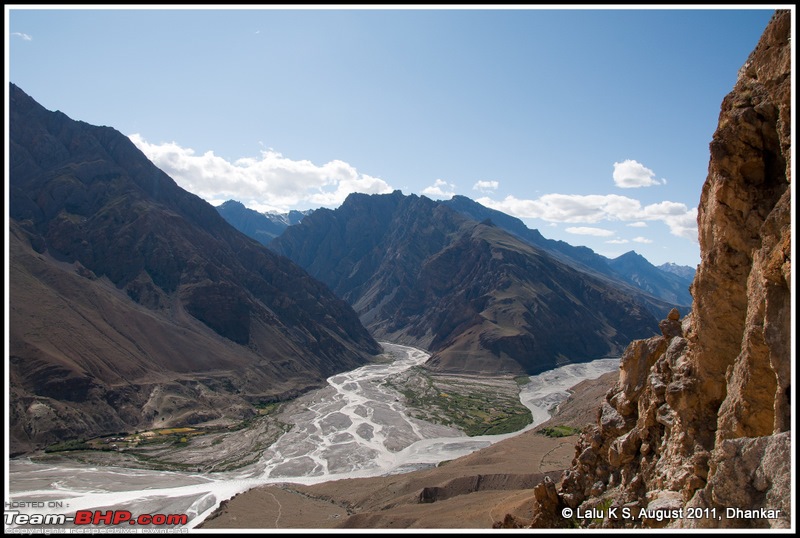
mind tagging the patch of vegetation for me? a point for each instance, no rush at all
(267, 408)
(168, 431)
(559, 431)
(522, 380)
(511, 424)
(474, 408)
(64, 446)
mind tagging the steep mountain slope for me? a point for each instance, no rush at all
(134, 303)
(586, 258)
(263, 227)
(481, 299)
(671, 287)
(701, 416)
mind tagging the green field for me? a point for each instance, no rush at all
(473, 405)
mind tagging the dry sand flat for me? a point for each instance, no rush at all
(474, 491)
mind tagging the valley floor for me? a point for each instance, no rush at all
(364, 458)
(474, 491)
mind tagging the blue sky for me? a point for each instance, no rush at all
(591, 125)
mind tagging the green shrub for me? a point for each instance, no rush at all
(559, 431)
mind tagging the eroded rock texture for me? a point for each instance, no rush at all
(700, 415)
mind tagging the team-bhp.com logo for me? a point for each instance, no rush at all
(95, 517)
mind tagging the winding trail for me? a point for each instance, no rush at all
(356, 427)
(280, 508)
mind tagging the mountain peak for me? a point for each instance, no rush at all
(632, 255)
(231, 204)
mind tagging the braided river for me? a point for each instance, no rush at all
(355, 427)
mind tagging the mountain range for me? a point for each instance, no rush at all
(668, 281)
(480, 298)
(654, 287)
(630, 268)
(134, 304)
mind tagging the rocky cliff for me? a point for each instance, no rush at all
(699, 420)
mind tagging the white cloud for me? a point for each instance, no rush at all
(630, 174)
(684, 224)
(663, 209)
(486, 186)
(638, 224)
(643, 240)
(270, 181)
(440, 189)
(567, 207)
(588, 230)
(25, 37)
(617, 241)
(594, 208)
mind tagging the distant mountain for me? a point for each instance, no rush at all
(641, 274)
(250, 222)
(669, 285)
(133, 304)
(288, 219)
(481, 299)
(683, 271)
(650, 278)
(263, 227)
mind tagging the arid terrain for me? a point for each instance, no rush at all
(475, 491)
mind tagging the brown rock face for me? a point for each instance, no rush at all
(745, 225)
(700, 415)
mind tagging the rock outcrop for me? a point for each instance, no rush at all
(699, 421)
